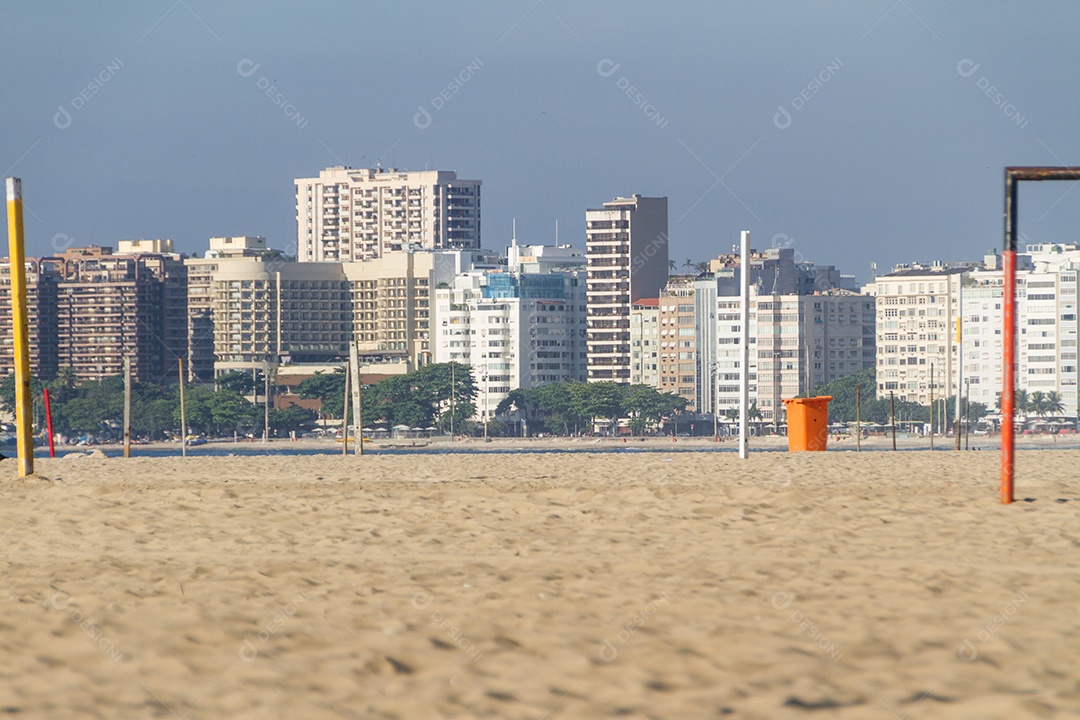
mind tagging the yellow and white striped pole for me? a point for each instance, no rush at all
(23, 401)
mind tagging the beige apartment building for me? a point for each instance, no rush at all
(917, 310)
(390, 312)
(200, 272)
(267, 312)
(678, 334)
(626, 250)
(347, 214)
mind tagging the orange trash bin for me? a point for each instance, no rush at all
(808, 423)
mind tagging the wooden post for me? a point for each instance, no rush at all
(357, 399)
(266, 404)
(892, 417)
(967, 413)
(48, 422)
(858, 418)
(345, 415)
(24, 412)
(127, 407)
(931, 406)
(183, 417)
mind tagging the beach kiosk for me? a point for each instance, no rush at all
(808, 423)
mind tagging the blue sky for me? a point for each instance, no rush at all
(854, 131)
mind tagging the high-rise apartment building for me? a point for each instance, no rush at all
(348, 214)
(112, 307)
(797, 342)
(626, 247)
(42, 278)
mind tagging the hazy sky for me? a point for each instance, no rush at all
(853, 131)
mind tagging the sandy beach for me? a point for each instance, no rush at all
(656, 585)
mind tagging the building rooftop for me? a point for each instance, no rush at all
(933, 270)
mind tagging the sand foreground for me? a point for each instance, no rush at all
(653, 585)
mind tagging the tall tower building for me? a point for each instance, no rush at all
(346, 214)
(626, 248)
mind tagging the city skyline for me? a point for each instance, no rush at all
(861, 133)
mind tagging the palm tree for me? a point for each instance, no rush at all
(1037, 403)
(1021, 401)
(1054, 406)
(753, 413)
(672, 266)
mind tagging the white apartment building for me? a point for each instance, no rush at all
(797, 342)
(626, 247)
(348, 214)
(1047, 327)
(645, 342)
(705, 326)
(514, 330)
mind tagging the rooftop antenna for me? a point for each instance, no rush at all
(556, 232)
(512, 254)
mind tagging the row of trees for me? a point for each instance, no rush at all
(571, 407)
(96, 407)
(434, 396)
(1036, 403)
(441, 396)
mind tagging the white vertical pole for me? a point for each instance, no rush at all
(744, 340)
